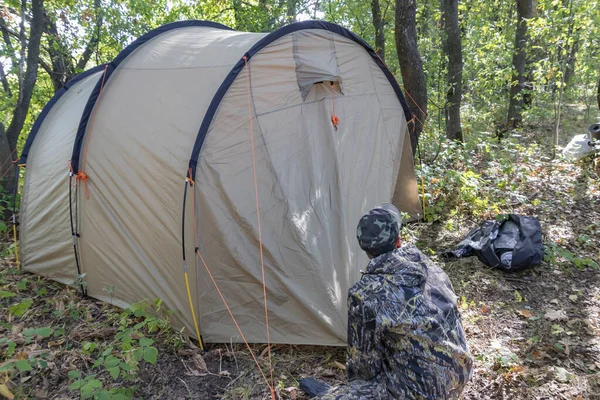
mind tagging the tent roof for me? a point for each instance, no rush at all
(48, 107)
(265, 41)
(270, 38)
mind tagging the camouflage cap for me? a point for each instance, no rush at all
(379, 229)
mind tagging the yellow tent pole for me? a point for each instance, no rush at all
(16, 244)
(190, 182)
(189, 293)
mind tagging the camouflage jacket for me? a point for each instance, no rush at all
(405, 331)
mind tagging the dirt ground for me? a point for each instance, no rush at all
(534, 334)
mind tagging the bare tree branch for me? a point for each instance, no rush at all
(6, 34)
(23, 40)
(92, 45)
(61, 66)
(46, 67)
(5, 84)
(30, 75)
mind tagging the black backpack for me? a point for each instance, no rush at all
(511, 244)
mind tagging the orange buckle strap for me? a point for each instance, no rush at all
(81, 176)
(335, 121)
(334, 118)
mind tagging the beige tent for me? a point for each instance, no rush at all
(183, 107)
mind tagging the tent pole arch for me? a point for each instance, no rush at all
(270, 38)
(42, 116)
(89, 107)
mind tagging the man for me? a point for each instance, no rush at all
(405, 335)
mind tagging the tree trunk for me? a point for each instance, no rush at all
(558, 116)
(29, 79)
(291, 11)
(4, 80)
(60, 59)
(453, 50)
(598, 94)
(411, 66)
(5, 155)
(92, 45)
(379, 33)
(570, 71)
(524, 12)
(563, 82)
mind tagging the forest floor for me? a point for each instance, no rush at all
(534, 334)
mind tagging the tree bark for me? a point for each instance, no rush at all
(524, 12)
(92, 45)
(291, 11)
(379, 33)
(563, 82)
(570, 71)
(60, 59)
(9, 47)
(62, 68)
(453, 50)
(29, 79)
(411, 66)
(4, 80)
(598, 94)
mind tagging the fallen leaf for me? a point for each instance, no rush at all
(526, 313)
(339, 365)
(573, 297)
(293, 392)
(41, 394)
(518, 369)
(556, 315)
(199, 362)
(16, 329)
(556, 329)
(562, 375)
(484, 309)
(5, 392)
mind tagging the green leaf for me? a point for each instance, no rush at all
(74, 374)
(145, 342)
(44, 332)
(29, 332)
(138, 354)
(95, 383)
(86, 391)
(125, 367)
(22, 284)
(119, 396)
(150, 355)
(103, 395)
(11, 348)
(4, 294)
(76, 385)
(111, 361)
(99, 362)
(23, 365)
(114, 372)
(20, 308)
